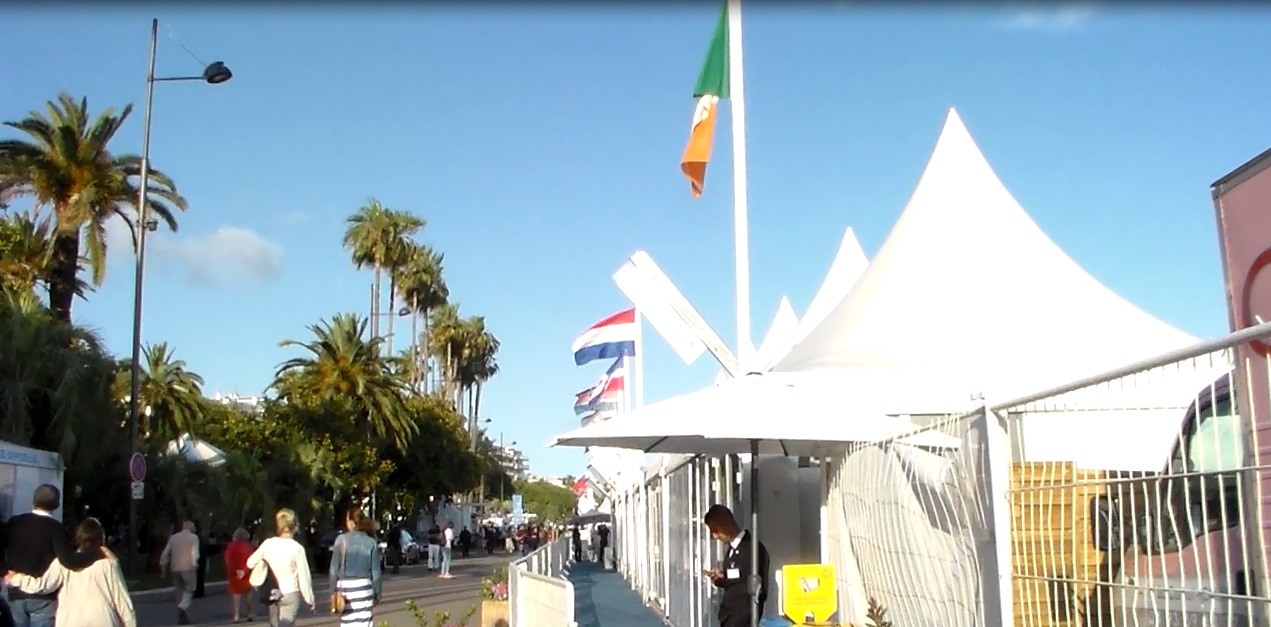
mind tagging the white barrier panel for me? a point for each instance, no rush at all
(539, 595)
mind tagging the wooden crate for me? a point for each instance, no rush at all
(1050, 543)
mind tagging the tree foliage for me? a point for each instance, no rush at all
(345, 418)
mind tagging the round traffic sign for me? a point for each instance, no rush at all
(137, 467)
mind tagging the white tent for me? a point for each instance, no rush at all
(848, 266)
(968, 296)
(784, 324)
(195, 450)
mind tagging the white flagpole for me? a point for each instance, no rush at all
(638, 373)
(741, 222)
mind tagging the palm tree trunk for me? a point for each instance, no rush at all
(375, 304)
(392, 310)
(476, 402)
(414, 348)
(427, 355)
(65, 273)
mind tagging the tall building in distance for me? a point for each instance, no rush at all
(513, 461)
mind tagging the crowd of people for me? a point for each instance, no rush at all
(53, 577)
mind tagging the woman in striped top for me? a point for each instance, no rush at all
(355, 570)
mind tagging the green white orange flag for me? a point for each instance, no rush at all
(712, 86)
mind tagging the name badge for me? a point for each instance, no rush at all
(733, 573)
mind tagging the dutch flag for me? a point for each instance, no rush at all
(611, 338)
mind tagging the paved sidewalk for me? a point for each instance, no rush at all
(415, 582)
(602, 598)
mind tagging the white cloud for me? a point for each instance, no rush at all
(1060, 17)
(226, 257)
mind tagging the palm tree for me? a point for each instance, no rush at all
(26, 253)
(422, 286)
(65, 166)
(171, 394)
(478, 364)
(379, 237)
(55, 388)
(446, 340)
(343, 366)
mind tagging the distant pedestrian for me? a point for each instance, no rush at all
(447, 550)
(465, 541)
(237, 574)
(180, 560)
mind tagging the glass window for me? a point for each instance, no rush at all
(1218, 443)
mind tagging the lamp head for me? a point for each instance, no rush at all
(216, 73)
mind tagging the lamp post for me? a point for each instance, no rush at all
(502, 451)
(213, 74)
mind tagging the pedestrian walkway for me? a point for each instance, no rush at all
(602, 598)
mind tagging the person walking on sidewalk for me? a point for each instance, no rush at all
(285, 558)
(180, 560)
(355, 573)
(96, 596)
(237, 574)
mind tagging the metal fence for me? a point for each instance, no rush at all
(1129, 499)
(539, 593)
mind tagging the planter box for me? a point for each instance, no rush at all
(494, 614)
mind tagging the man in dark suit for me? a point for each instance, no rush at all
(32, 541)
(734, 572)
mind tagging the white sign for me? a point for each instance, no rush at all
(518, 509)
(670, 313)
(138, 490)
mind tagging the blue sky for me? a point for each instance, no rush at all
(542, 146)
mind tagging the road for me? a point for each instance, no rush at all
(455, 596)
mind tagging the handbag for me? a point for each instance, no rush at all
(338, 600)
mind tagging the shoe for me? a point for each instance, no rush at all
(182, 617)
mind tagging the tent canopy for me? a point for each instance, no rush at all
(848, 266)
(968, 296)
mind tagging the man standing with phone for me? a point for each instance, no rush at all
(733, 575)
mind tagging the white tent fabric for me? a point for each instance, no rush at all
(784, 323)
(967, 295)
(195, 450)
(754, 406)
(848, 266)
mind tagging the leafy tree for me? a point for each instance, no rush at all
(550, 501)
(64, 165)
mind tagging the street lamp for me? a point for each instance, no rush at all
(503, 451)
(214, 74)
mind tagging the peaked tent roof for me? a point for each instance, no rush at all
(784, 323)
(968, 295)
(849, 264)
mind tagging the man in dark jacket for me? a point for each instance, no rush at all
(734, 572)
(32, 541)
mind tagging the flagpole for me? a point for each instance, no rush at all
(741, 221)
(638, 368)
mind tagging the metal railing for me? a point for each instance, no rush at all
(539, 594)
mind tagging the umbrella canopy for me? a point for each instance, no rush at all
(594, 516)
(195, 450)
(734, 416)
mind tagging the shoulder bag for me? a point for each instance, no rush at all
(338, 601)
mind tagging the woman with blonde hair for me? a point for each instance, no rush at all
(287, 580)
(355, 571)
(94, 597)
(237, 574)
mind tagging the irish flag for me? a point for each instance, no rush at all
(712, 86)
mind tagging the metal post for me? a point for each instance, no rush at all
(502, 471)
(141, 226)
